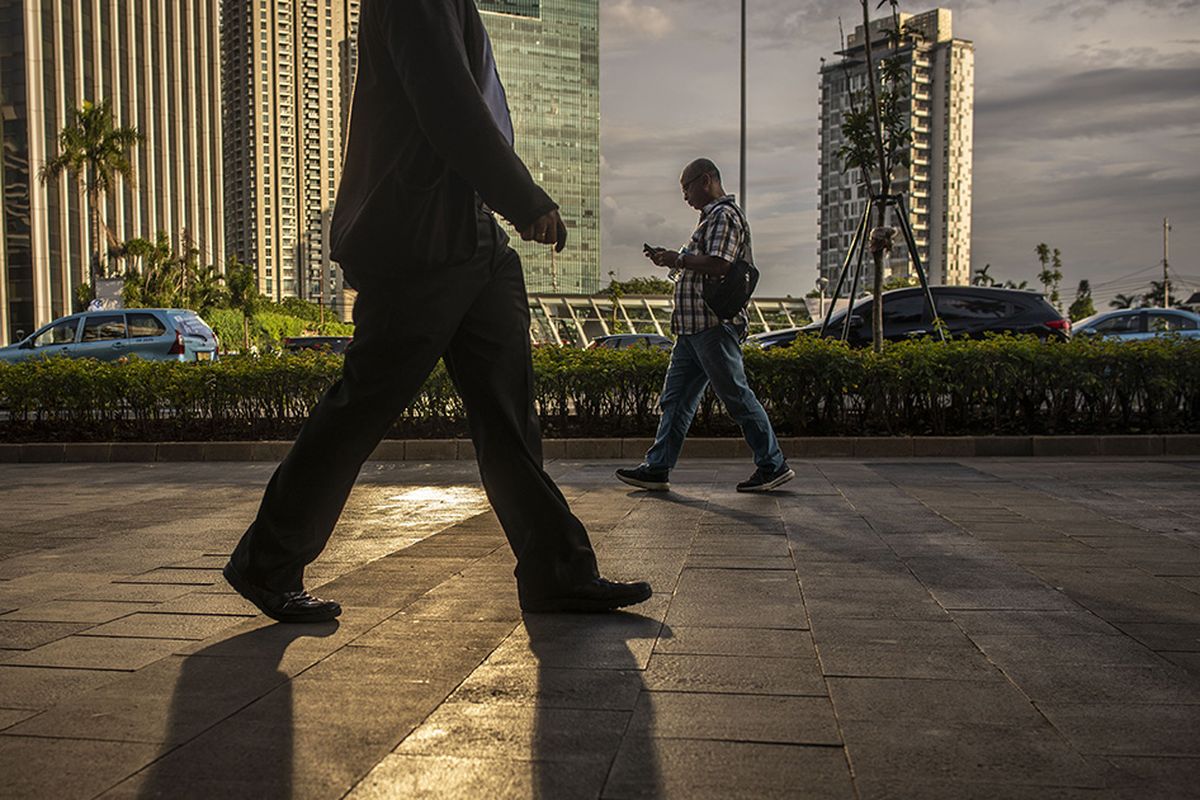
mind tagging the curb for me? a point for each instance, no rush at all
(618, 449)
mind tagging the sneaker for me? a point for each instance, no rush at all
(765, 480)
(643, 477)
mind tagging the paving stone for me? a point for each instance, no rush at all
(1189, 661)
(170, 702)
(553, 687)
(509, 731)
(166, 626)
(739, 544)
(899, 649)
(92, 611)
(432, 777)
(93, 652)
(737, 598)
(60, 768)
(1093, 650)
(1166, 777)
(993, 701)
(39, 688)
(171, 575)
(735, 718)
(15, 635)
(650, 768)
(1127, 729)
(760, 642)
(734, 674)
(910, 751)
(1023, 622)
(1055, 681)
(896, 789)
(708, 561)
(132, 593)
(204, 604)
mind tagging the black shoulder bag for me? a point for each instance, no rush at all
(728, 295)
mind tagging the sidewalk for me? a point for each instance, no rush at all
(1024, 628)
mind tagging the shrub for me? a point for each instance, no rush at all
(1000, 385)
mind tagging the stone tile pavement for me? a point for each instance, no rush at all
(876, 629)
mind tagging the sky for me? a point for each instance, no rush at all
(1087, 131)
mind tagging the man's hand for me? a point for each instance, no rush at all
(662, 257)
(547, 229)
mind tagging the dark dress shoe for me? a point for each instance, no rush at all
(282, 606)
(593, 596)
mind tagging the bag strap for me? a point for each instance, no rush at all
(747, 245)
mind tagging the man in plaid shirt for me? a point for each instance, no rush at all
(708, 349)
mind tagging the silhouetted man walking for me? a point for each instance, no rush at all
(429, 157)
(708, 349)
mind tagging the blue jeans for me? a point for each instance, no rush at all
(711, 356)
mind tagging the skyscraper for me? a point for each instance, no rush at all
(548, 55)
(287, 74)
(937, 184)
(157, 64)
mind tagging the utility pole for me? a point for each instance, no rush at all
(742, 189)
(1166, 266)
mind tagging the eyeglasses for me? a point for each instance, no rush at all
(687, 184)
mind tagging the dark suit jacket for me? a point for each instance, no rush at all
(422, 142)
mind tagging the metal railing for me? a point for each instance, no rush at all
(579, 319)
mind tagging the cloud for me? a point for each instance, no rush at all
(1094, 104)
(1086, 129)
(627, 18)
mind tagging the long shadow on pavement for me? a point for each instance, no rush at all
(231, 719)
(589, 679)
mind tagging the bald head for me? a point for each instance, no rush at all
(701, 166)
(701, 183)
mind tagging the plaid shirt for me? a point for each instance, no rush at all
(722, 233)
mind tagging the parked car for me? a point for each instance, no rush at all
(622, 341)
(153, 334)
(332, 344)
(967, 311)
(1140, 323)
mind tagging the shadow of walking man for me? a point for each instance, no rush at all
(593, 717)
(230, 727)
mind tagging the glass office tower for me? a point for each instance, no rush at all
(548, 54)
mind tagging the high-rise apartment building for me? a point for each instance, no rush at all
(940, 115)
(548, 55)
(288, 69)
(157, 64)
(287, 75)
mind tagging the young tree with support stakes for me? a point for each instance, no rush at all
(878, 140)
(95, 153)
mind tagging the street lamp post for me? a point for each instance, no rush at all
(742, 189)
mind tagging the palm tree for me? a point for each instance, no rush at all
(1122, 301)
(1045, 277)
(982, 278)
(95, 153)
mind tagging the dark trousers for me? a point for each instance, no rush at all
(475, 315)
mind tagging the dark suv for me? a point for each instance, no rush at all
(968, 312)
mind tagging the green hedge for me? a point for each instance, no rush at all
(1002, 385)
